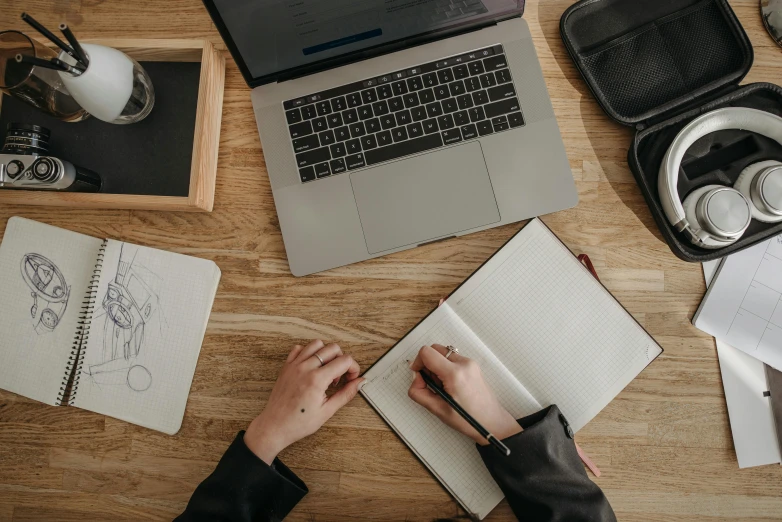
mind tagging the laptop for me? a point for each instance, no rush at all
(390, 124)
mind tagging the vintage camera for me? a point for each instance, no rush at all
(24, 164)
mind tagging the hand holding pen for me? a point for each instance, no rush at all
(463, 385)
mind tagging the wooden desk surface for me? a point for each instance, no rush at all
(664, 445)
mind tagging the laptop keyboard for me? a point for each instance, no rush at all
(402, 113)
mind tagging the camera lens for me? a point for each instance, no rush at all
(26, 139)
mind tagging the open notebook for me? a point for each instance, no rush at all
(544, 331)
(102, 325)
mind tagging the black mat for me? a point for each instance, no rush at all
(151, 157)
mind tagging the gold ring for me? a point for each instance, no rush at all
(451, 350)
(321, 360)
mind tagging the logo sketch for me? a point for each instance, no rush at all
(128, 306)
(50, 292)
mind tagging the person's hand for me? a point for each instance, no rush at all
(298, 405)
(462, 378)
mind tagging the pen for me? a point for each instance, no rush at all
(502, 448)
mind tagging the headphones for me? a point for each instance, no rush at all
(717, 216)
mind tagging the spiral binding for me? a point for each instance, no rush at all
(70, 383)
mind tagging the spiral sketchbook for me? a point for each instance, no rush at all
(543, 330)
(102, 325)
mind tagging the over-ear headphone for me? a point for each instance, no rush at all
(716, 216)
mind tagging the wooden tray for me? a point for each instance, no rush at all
(203, 167)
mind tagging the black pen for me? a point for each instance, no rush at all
(502, 448)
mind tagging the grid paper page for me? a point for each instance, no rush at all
(452, 457)
(151, 312)
(553, 326)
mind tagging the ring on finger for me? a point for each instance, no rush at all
(451, 350)
(321, 360)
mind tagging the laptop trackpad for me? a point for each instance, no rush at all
(419, 199)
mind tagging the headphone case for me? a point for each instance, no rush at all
(656, 65)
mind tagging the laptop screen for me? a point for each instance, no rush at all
(278, 35)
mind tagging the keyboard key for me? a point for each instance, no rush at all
(323, 108)
(461, 72)
(353, 146)
(484, 127)
(415, 71)
(293, 116)
(300, 129)
(430, 126)
(399, 134)
(312, 157)
(476, 67)
(415, 84)
(415, 130)
(461, 118)
(388, 121)
(308, 112)
(355, 162)
(342, 133)
(386, 78)
(469, 132)
(338, 150)
(350, 116)
(456, 88)
(369, 96)
(365, 112)
(411, 100)
(396, 104)
(464, 101)
(354, 99)
(380, 108)
(372, 125)
(472, 84)
(403, 117)
(501, 92)
(338, 166)
(313, 98)
(445, 122)
(426, 96)
(445, 76)
(370, 83)
(384, 138)
(319, 124)
(430, 80)
(339, 104)
(399, 75)
(357, 129)
(502, 107)
(488, 80)
(327, 138)
(405, 148)
(384, 92)
(450, 105)
(503, 76)
(307, 174)
(306, 143)
(452, 136)
(434, 109)
(418, 113)
(322, 170)
(477, 114)
(400, 88)
(480, 97)
(500, 123)
(495, 62)
(515, 119)
(369, 142)
(335, 120)
(441, 92)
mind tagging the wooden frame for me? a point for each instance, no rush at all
(203, 170)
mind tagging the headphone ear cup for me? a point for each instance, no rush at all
(744, 185)
(690, 204)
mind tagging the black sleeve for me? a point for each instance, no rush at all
(244, 488)
(543, 478)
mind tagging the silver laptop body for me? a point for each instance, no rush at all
(368, 206)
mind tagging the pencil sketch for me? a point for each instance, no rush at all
(128, 307)
(50, 293)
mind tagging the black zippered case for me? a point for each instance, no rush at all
(656, 65)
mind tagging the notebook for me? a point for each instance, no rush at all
(102, 325)
(743, 306)
(544, 331)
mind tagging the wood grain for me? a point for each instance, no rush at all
(664, 444)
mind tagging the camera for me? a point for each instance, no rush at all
(24, 164)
